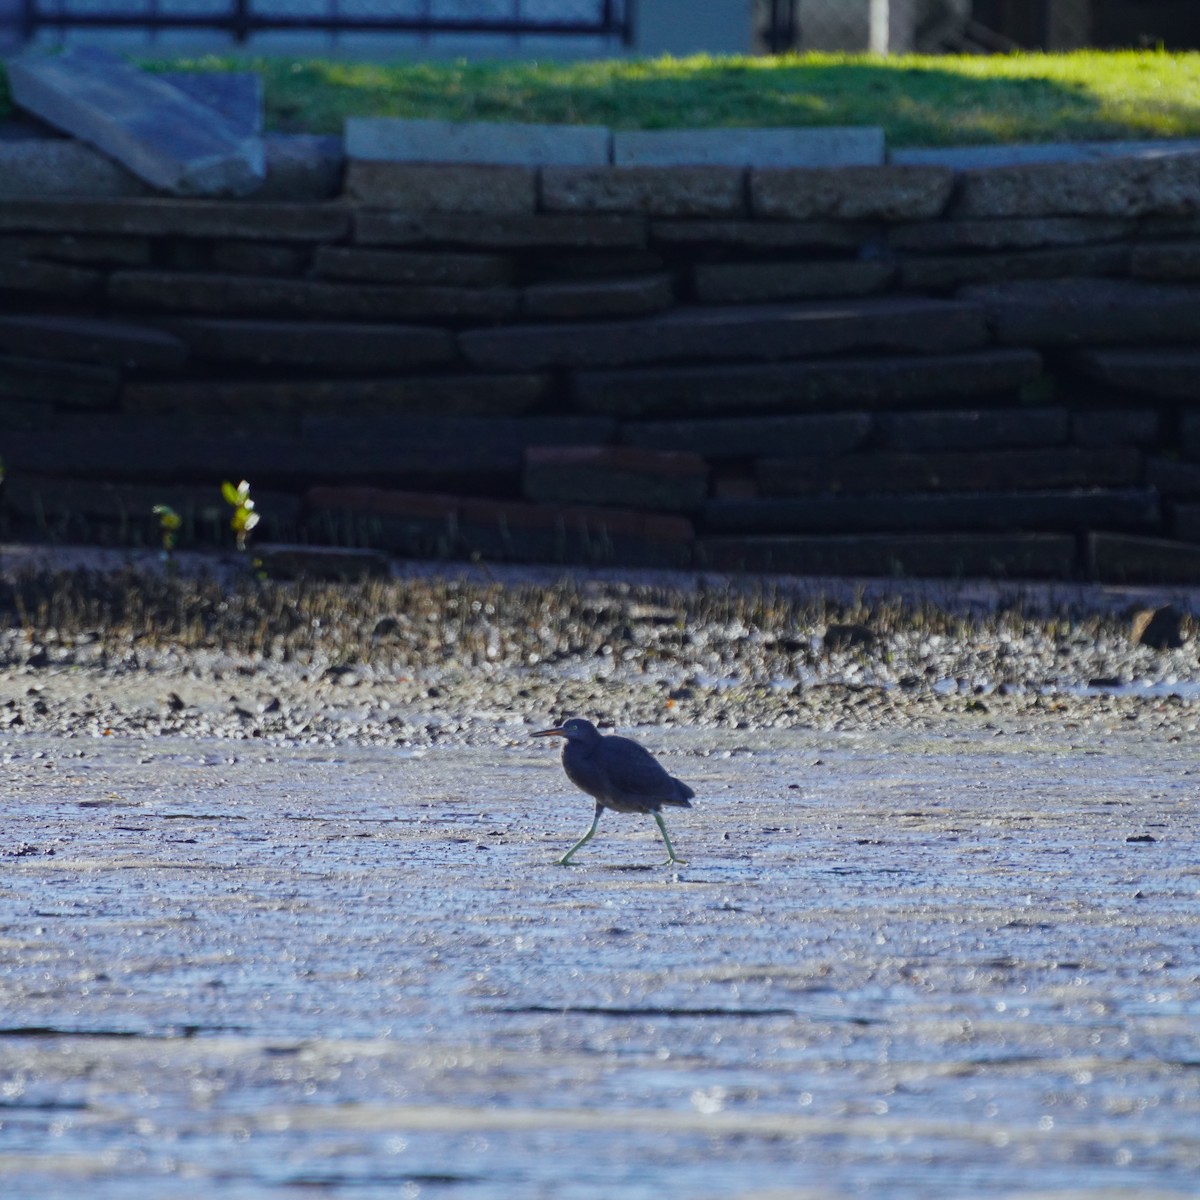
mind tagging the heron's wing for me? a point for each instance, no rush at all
(634, 770)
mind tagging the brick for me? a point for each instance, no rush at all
(435, 188)
(57, 280)
(169, 291)
(179, 218)
(431, 395)
(1124, 509)
(621, 476)
(461, 526)
(757, 283)
(444, 268)
(997, 470)
(986, 429)
(656, 191)
(1166, 260)
(60, 384)
(1125, 187)
(82, 251)
(1014, 233)
(1065, 312)
(1123, 558)
(580, 299)
(1173, 478)
(1171, 372)
(302, 167)
(397, 139)
(92, 340)
(764, 235)
(1115, 427)
(340, 348)
(259, 258)
(1185, 522)
(851, 193)
(206, 515)
(947, 272)
(951, 556)
(754, 437)
(866, 382)
(765, 332)
(386, 228)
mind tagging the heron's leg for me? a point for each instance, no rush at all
(670, 849)
(587, 837)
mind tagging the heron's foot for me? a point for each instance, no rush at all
(565, 861)
(674, 861)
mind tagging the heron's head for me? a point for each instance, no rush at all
(574, 730)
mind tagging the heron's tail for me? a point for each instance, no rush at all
(683, 794)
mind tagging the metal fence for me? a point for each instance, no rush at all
(974, 26)
(242, 20)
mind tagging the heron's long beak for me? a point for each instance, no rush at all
(549, 733)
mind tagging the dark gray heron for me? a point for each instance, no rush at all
(620, 775)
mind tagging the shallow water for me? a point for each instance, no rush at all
(895, 965)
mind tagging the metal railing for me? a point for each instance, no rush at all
(241, 19)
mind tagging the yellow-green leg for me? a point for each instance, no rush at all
(674, 858)
(587, 837)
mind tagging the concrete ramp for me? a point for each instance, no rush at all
(167, 138)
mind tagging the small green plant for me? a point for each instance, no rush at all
(244, 518)
(169, 522)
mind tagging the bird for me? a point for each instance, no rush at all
(620, 774)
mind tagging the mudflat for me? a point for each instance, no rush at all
(280, 912)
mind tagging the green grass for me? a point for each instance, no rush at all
(919, 100)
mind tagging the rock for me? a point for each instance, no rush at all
(1064, 312)
(747, 332)
(301, 167)
(753, 437)
(435, 188)
(85, 251)
(1109, 427)
(851, 193)
(758, 283)
(848, 636)
(1173, 478)
(257, 258)
(1014, 233)
(578, 300)
(869, 382)
(1159, 628)
(962, 158)
(1126, 558)
(446, 268)
(764, 235)
(1096, 508)
(976, 429)
(92, 340)
(620, 476)
(58, 384)
(947, 272)
(1123, 187)
(1166, 260)
(890, 472)
(172, 291)
(657, 191)
(170, 141)
(1171, 372)
(57, 280)
(235, 95)
(501, 231)
(342, 347)
(179, 218)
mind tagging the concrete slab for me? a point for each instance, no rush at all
(836, 146)
(970, 158)
(393, 139)
(236, 95)
(151, 127)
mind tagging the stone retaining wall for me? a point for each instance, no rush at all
(861, 370)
